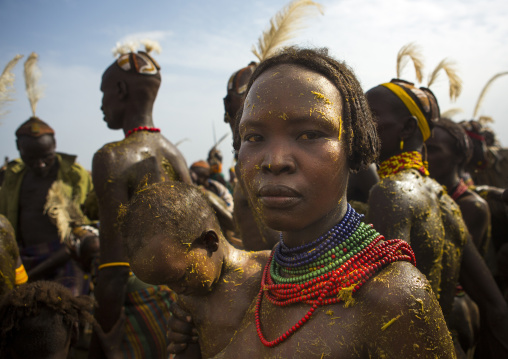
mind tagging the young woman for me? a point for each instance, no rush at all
(332, 287)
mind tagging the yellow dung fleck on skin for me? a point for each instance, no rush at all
(320, 96)
(329, 312)
(284, 116)
(390, 322)
(346, 295)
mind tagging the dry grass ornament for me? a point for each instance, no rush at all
(484, 91)
(7, 84)
(283, 26)
(411, 52)
(451, 112)
(32, 75)
(449, 68)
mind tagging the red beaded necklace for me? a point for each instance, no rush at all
(142, 128)
(326, 288)
(459, 190)
(405, 160)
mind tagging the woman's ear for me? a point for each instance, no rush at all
(211, 241)
(122, 89)
(410, 126)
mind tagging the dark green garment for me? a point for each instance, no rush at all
(77, 183)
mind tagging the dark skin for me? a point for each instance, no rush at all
(254, 234)
(284, 160)
(415, 208)
(119, 168)
(284, 156)
(35, 227)
(445, 165)
(9, 256)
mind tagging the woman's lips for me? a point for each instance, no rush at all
(278, 196)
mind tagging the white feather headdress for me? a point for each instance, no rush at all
(7, 83)
(32, 75)
(283, 26)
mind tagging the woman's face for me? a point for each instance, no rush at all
(292, 159)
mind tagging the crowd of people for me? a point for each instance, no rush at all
(355, 223)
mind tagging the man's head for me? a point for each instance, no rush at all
(405, 116)
(200, 173)
(448, 148)
(40, 320)
(132, 81)
(37, 146)
(237, 86)
(173, 237)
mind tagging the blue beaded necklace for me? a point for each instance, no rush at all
(310, 252)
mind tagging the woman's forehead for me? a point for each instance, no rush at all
(286, 76)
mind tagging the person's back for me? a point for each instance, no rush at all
(428, 218)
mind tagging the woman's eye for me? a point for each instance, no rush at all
(309, 136)
(252, 138)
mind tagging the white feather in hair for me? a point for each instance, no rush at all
(32, 75)
(484, 91)
(413, 52)
(448, 67)
(6, 84)
(124, 48)
(283, 27)
(151, 45)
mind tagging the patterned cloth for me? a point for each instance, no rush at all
(69, 275)
(147, 312)
(403, 161)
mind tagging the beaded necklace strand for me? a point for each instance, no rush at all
(459, 190)
(402, 161)
(354, 257)
(142, 128)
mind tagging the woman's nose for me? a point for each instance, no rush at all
(278, 159)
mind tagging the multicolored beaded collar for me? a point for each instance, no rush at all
(327, 270)
(142, 128)
(403, 161)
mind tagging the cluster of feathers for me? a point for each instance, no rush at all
(133, 45)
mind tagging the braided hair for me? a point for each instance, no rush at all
(359, 129)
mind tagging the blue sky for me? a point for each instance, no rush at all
(203, 42)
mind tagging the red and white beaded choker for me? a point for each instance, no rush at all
(142, 128)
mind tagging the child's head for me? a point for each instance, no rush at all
(173, 237)
(40, 320)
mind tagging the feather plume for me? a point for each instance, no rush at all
(454, 79)
(151, 45)
(413, 52)
(124, 48)
(6, 83)
(451, 112)
(484, 120)
(283, 26)
(484, 91)
(32, 75)
(63, 212)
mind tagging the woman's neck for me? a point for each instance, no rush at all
(315, 230)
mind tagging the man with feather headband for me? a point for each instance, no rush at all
(120, 169)
(408, 204)
(24, 192)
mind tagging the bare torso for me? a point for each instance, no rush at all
(388, 319)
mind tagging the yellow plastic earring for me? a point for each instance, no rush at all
(401, 144)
